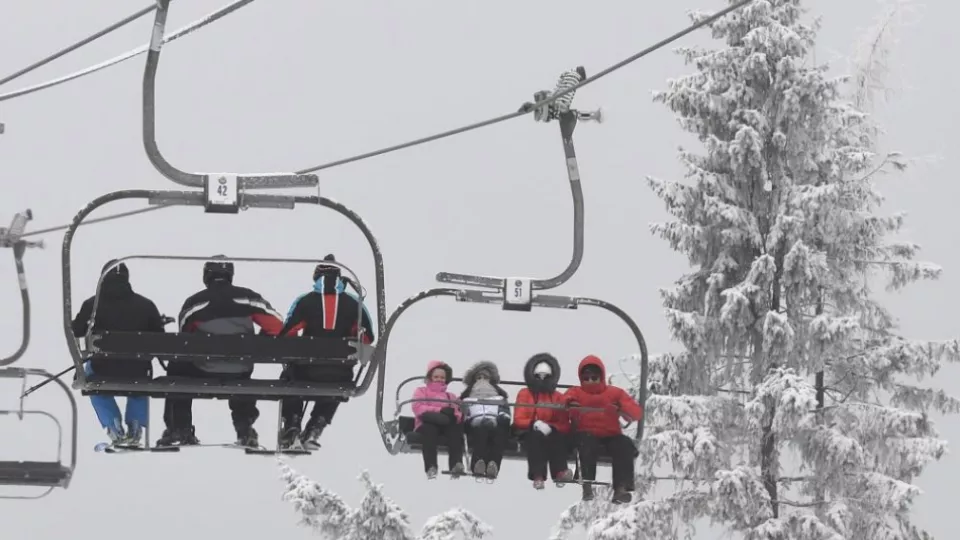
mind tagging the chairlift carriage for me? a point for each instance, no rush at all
(513, 294)
(222, 194)
(36, 474)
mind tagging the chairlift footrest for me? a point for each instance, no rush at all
(286, 452)
(33, 473)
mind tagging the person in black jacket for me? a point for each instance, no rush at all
(122, 310)
(221, 308)
(327, 310)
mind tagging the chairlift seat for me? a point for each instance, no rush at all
(512, 450)
(34, 473)
(244, 348)
(212, 388)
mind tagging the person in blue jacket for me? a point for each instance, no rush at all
(328, 310)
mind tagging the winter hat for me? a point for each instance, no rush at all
(120, 270)
(326, 269)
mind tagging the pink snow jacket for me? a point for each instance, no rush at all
(434, 390)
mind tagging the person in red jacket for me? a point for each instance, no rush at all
(543, 430)
(601, 429)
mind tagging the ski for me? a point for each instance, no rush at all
(110, 448)
(286, 452)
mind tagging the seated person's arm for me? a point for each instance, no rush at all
(79, 325)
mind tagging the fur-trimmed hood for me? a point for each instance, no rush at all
(550, 383)
(470, 376)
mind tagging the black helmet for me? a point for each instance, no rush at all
(326, 269)
(217, 271)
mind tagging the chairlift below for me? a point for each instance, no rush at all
(39, 474)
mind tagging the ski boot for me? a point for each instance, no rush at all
(178, 437)
(492, 470)
(133, 436)
(247, 437)
(621, 496)
(310, 437)
(538, 483)
(587, 492)
(457, 470)
(432, 473)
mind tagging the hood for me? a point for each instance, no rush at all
(470, 376)
(547, 385)
(116, 284)
(591, 360)
(434, 364)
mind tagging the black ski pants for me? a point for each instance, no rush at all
(431, 436)
(178, 412)
(543, 450)
(621, 450)
(487, 440)
(292, 409)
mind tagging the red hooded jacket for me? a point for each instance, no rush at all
(613, 399)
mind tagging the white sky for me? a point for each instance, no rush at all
(283, 85)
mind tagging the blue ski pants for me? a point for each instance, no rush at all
(108, 412)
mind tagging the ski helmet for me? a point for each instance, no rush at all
(217, 270)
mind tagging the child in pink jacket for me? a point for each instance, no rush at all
(436, 419)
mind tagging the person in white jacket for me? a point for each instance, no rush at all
(486, 418)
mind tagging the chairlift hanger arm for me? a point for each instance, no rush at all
(567, 119)
(195, 180)
(198, 198)
(12, 237)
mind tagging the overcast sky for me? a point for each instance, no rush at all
(284, 85)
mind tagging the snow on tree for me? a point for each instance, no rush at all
(377, 517)
(790, 363)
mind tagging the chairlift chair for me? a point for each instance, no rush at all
(39, 474)
(511, 293)
(189, 347)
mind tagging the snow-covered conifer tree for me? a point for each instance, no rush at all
(377, 517)
(794, 411)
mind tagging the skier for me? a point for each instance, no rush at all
(487, 425)
(122, 310)
(435, 419)
(543, 431)
(602, 429)
(221, 308)
(327, 310)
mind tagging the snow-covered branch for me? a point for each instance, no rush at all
(376, 517)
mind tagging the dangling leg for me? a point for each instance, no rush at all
(557, 446)
(622, 451)
(137, 418)
(534, 445)
(498, 441)
(429, 434)
(587, 449)
(454, 434)
(108, 412)
(479, 441)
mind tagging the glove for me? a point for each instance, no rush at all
(542, 427)
(449, 413)
(435, 418)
